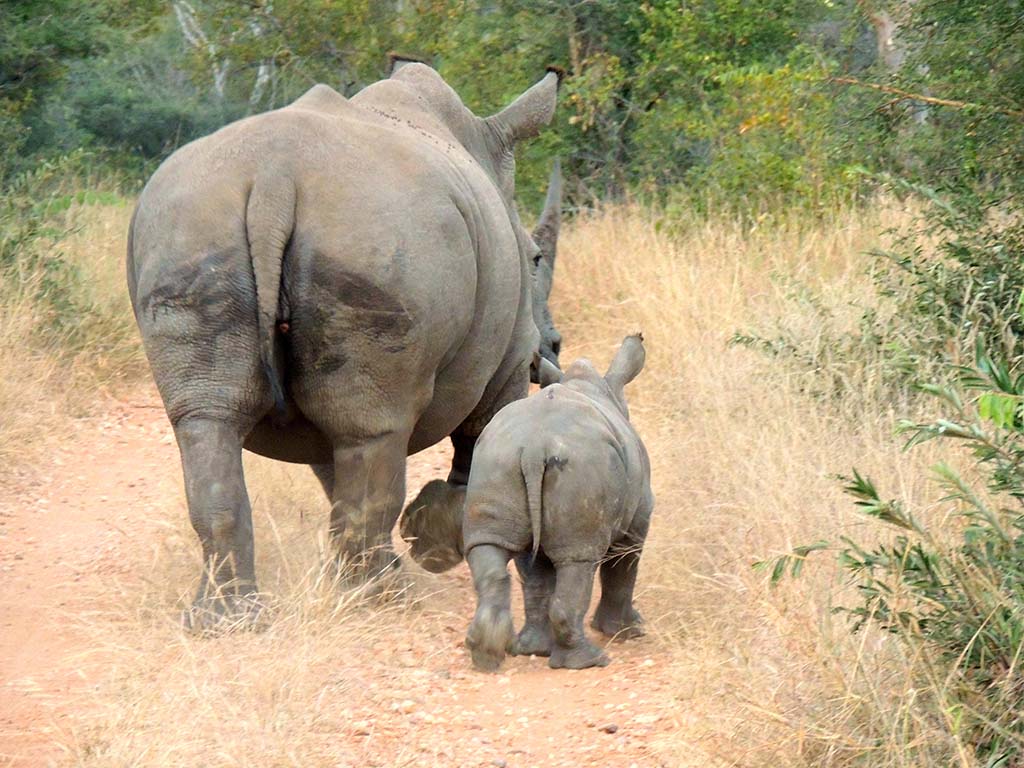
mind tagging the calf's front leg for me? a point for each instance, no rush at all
(615, 615)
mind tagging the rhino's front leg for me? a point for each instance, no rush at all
(463, 443)
(615, 615)
(325, 474)
(369, 488)
(538, 576)
(218, 507)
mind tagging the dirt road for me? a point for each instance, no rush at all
(90, 512)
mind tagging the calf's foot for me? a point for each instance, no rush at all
(489, 638)
(582, 656)
(533, 641)
(572, 649)
(622, 625)
(490, 635)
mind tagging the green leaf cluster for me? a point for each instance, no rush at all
(961, 600)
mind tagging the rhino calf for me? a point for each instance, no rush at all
(564, 474)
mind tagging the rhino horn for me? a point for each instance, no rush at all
(545, 234)
(524, 117)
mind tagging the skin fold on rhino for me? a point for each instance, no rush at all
(561, 482)
(431, 524)
(340, 283)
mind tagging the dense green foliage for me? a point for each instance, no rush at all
(725, 100)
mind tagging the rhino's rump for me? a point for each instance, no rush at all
(398, 248)
(591, 489)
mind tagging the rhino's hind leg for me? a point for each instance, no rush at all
(538, 575)
(369, 488)
(615, 615)
(490, 635)
(574, 583)
(218, 507)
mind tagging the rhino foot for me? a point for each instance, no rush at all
(210, 616)
(432, 526)
(533, 641)
(489, 638)
(617, 627)
(582, 656)
(376, 574)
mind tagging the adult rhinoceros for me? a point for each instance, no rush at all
(341, 283)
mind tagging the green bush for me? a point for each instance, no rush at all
(960, 600)
(135, 102)
(33, 265)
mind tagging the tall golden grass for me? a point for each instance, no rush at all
(52, 372)
(743, 462)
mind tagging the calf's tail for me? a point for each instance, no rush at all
(533, 462)
(269, 221)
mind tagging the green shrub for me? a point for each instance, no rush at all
(33, 265)
(958, 595)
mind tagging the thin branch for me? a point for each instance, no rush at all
(926, 99)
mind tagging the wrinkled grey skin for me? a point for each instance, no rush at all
(338, 283)
(562, 478)
(428, 522)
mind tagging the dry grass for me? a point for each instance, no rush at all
(742, 464)
(292, 695)
(55, 370)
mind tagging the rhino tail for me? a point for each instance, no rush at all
(269, 221)
(533, 462)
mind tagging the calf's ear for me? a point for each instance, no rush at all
(628, 362)
(547, 372)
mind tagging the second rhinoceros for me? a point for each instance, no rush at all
(340, 283)
(563, 479)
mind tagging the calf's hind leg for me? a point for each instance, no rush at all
(615, 615)
(538, 575)
(574, 583)
(490, 634)
(218, 507)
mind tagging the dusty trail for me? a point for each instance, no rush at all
(92, 510)
(77, 517)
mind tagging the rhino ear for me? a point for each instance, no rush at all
(628, 362)
(545, 234)
(524, 117)
(546, 371)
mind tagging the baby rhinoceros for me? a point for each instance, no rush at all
(561, 481)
